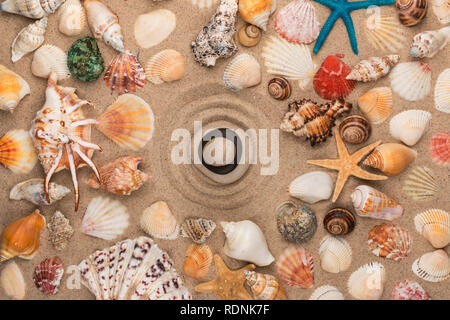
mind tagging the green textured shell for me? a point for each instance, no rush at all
(84, 60)
(296, 224)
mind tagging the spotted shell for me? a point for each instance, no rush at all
(409, 290)
(355, 129)
(339, 221)
(279, 88)
(197, 229)
(296, 224)
(390, 241)
(249, 35)
(296, 267)
(47, 275)
(411, 12)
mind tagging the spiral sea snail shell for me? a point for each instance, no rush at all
(411, 12)
(339, 221)
(249, 35)
(355, 129)
(279, 88)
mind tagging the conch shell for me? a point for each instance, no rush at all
(391, 158)
(264, 286)
(374, 68)
(427, 44)
(35, 9)
(29, 39)
(12, 89)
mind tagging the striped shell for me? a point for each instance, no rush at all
(198, 260)
(410, 125)
(440, 148)
(374, 68)
(421, 184)
(165, 66)
(411, 80)
(13, 88)
(17, 151)
(442, 92)
(390, 241)
(159, 221)
(335, 254)
(125, 73)
(434, 225)
(355, 129)
(376, 104)
(432, 266)
(279, 88)
(249, 35)
(339, 221)
(296, 267)
(367, 283)
(411, 12)
(47, 276)
(197, 229)
(29, 39)
(242, 72)
(390, 158)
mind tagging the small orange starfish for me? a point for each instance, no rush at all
(347, 164)
(228, 284)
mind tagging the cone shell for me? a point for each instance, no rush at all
(17, 151)
(339, 221)
(33, 191)
(105, 219)
(48, 59)
(297, 22)
(374, 68)
(198, 260)
(154, 27)
(384, 32)
(60, 231)
(409, 126)
(376, 104)
(326, 293)
(35, 9)
(197, 229)
(257, 12)
(125, 74)
(355, 129)
(369, 202)
(421, 184)
(296, 223)
(335, 254)
(367, 283)
(390, 241)
(47, 276)
(442, 92)
(441, 9)
(440, 148)
(264, 286)
(72, 18)
(427, 44)
(279, 88)
(391, 158)
(432, 266)
(12, 89)
(129, 122)
(291, 61)
(409, 290)
(311, 187)
(411, 12)
(12, 282)
(411, 80)
(29, 39)
(159, 222)
(296, 267)
(434, 225)
(22, 237)
(165, 66)
(242, 72)
(249, 35)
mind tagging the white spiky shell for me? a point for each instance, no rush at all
(29, 39)
(48, 59)
(335, 254)
(384, 32)
(12, 281)
(165, 66)
(442, 92)
(411, 80)
(434, 225)
(13, 88)
(159, 221)
(242, 72)
(441, 9)
(421, 184)
(72, 18)
(204, 3)
(367, 283)
(376, 104)
(409, 126)
(105, 219)
(292, 61)
(427, 44)
(312, 187)
(154, 27)
(326, 292)
(35, 9)
(432, 266)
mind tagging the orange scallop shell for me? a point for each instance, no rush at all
(295, 267)
(198, 260)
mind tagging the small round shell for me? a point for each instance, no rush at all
(335, 254)
(296, 224)
(159, 222)
(339, 221)
(47, 276)
(296, 267)
(198, 260)
(279, 88)
(242, 72)
(48, 59)
(249, 35)
(355, 129)
(367, 283)
(165, 66)
(432, 266)
(197, 229)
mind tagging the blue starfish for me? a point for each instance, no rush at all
(342, 9)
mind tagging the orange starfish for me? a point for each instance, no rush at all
(347, 164)
(228, 284)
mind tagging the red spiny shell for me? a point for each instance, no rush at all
(125, 73)
(409, 290)
(47, 275)
(440, 148)
(330, 80)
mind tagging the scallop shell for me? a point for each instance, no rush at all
(159, 222)
(409, 290)
(165, 66)
(35, 9)
(311, 187)
(198, 260)
(440, 148)
(48, 59)
(33, 191)
(390, 158)
(29, 39)
(12, 282)
(72, 18)
(60, 231)
(411, 80)
(421, 184)
(279, 88)
(441, 9)
(47, 276)
(197, 229)
(384, 32)
(335, 254)
(13, 88)
(390, 241)
(291, 61)
(339, 221)
(374, 68)
(442, 92)
(376, 104)
(105, 219)
(125, 73)
(17, 151)
(326, 293)
(411, 12)
(242, 72)
(355, 129)
(369, 202)
(249, 35)
(297, 22)
(257, 12)
(434, 225)
(202, 4)
(296, 223)
(432, 266)
(410, 125)
(154, 27)
(427, 44)
(367, 283)
(296, 267)
(264, 286)
(129, 122)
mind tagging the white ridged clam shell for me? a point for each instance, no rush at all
(35, 9)
(48, 59)
(13, 88)
(29, 39)
(335, 254)
(427, 44)
(312, 187)
(105, 219)
(72, 18)
(159, 221)
(165, 66)
(154, 27)
(411, 80)
(434, 225)
(409, 126)
(367, 283)
(12, 281)
(421, 184)
(292, 61)
(326, 293)
(441, 9)
(432, 266)
(204, 3)
(442, 92)
(242, 72)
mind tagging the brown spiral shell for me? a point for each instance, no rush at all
(411, 12)
(355, 129)
(249, 35)
(339, 221)
(279, 88)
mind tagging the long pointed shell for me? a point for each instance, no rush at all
(12, 89)
(29, 39)
(440, 148)
(390, 241)
(12, 282)
(432, 266)
(384, 32)
(335, 254)
(33, 190)
(391, 158)
(264, 286)
(374, 68)
(198, 260)
(105, 219)
(376, 104)
(427, 44)
(165, 66)
(441, 9)
(410, 125)
(421, 184)
(159, 221)
(48, 59)
(47, 276)
(17, 151)
(72, 18)
(367, 283)
(442, 92)
(197, 229)
(129, 122)
(154, 27)
(60, 231)
(257, 12)
(326, 293)
(409, 290)
(242, 72)
(434, 225)
(411, 80)
(311, 187)
(35, 9)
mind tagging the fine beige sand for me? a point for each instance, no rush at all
(200, 95)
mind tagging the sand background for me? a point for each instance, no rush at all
(200, 95)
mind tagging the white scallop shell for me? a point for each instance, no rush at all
(312, 187)
(411, 80)
(432, 266)
(204, 3)
(242, 72)
(434, 225)
(326, 293)
(12, 281)
(165, 66)
(335, 254)
(441, 9)
(154, 27)
(421, 184)
(409, 126)
(72, 18)
(289, 60)
(48, 59)
(159, 221)
(442, 92)
(105, 219)
(367, 283)
(29, 39)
